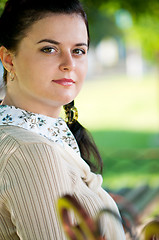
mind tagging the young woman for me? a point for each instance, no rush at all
(44, 47)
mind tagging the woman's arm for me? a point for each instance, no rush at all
(34, 178)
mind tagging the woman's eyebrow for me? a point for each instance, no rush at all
(81, 44)
(49, 41)
(57, 43)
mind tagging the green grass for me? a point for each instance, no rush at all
(129, 158)
(123, 116)
(120, 103)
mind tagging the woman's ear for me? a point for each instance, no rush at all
(6, 58)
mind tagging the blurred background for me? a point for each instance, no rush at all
(119, 103)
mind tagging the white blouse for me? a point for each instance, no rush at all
(54, 129)
(37, 167)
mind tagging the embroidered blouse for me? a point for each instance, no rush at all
(54, 129)
(40, 162)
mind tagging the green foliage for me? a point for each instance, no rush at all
(134, 6)
(146, 32)
(145, 18)
(102, 26)
(2, 3)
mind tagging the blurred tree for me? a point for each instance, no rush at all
(101, 26)
(145, 21)
(146, 32)
(2, 3)
(134, 6)
(144, 15)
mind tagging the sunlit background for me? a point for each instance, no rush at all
(119, 102)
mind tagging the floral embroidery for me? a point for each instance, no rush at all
(31, 119)
(7, 119)
(55, 129)
(1, 113)
(3, 106)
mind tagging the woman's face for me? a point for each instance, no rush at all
(50, 64)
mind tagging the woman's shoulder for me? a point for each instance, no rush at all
(13, 138)
(20, 136)
(18, 143)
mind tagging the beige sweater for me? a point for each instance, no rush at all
(34, 173)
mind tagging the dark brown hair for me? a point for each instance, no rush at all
(17, 17)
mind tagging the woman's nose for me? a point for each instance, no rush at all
(67, 62)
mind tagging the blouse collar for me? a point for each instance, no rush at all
(55, 129)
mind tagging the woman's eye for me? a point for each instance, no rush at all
(79, 51)
(48, 50)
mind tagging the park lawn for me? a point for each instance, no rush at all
(129, 158)
(120, 103)
(123, 117)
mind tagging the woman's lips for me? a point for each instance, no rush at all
(64, 81)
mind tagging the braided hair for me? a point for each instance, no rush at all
(87, 146)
